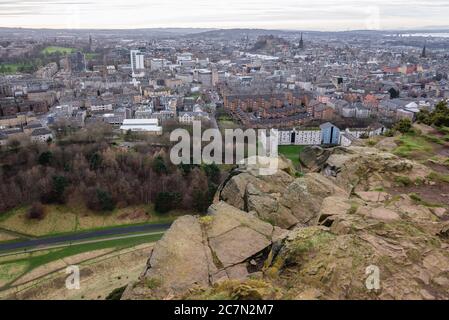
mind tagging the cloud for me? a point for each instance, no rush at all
(291, 14)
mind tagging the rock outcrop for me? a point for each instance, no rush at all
(199, 252)
(281, 199)
(367, 169)
(315, 236)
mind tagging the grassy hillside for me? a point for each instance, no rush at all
(32, 269)
(63, 218)
(291, 152)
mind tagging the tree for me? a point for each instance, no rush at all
(105, 200)
(95, 161)
(166, 201)
(159, 165)
(424, 116)
(56, 194)
(200, 201)
(438, 117)
(129, 136)
(393, 93)
(45, 158)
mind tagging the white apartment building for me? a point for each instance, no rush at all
(137, 60)
(103, 107)
(306, 136)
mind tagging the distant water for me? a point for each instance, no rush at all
(427, 35)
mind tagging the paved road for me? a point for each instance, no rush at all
(88, 235)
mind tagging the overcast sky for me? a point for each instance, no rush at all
(273, 14)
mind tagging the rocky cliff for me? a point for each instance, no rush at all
(308, 236)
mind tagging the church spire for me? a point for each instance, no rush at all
(301, 43)
(424, 52)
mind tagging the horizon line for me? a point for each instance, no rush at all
(423, 28)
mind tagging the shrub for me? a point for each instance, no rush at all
(439, 117)
(153, 283)
(403, 181)
(389, 133)
(415, 197)
(206, 220)
(36, 211)
(403, 126)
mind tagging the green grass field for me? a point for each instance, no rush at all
(413, 145)
(291, 152)
(91, 56)
(11, 68)
(54, 49)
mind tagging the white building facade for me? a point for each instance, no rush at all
(300, 137)
(137, 60)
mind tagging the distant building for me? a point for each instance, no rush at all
(3, 139)
(150, 126)
(189, 117)
(330, 134)
(158, 64)
(301, 43)
(41, 135)
(101, 107)
(301, 136)
(137, 60)
(77, 62)
(47, 71)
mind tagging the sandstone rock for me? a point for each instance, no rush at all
(333, 206)
(280, 199)
(363, 169)
(237, 245)
(219, 276)
(198, 252)
(179, 261)
(314, 157)
(373, 196)
(260, 166)
(238, 271)
(440, 212)
(383, 214)
(226, 218)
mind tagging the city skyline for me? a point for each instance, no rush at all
(325, 15)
